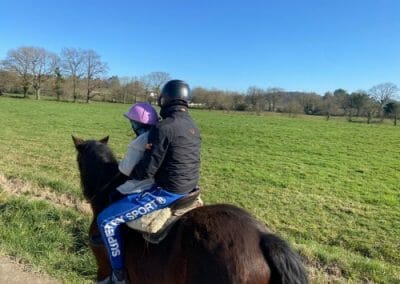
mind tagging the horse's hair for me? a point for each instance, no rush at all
(97, 165)
(277, 252)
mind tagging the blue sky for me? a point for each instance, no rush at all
(296, 45)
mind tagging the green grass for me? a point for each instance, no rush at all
(51, 239)
(330, 187)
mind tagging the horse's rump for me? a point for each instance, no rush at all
(211, 244)
(222, 245)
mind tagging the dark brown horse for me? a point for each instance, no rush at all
(211, 244)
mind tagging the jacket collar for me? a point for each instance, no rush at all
(168, 111)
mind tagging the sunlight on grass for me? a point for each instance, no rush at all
(330, 187)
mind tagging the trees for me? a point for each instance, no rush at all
(256, 99)
(58, 82)
(357, 101)
(342, 99)
(200, 96)
(72, 65)
(292, 105)
(273, 95)
(371, 108)
(132, 89)
(20, 61)
(392, 109)
(153, 83)
(78, 71)
(239, 102)
(328, 105)
(114, 87)
(32, 64)
(383, 93)
(93, 68)
(87, 64)
(310, 102)
(8, 81)
(42, 66)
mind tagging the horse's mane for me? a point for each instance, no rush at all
(97, 165)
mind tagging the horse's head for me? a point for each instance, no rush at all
(97, 165)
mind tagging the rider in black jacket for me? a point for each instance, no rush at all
(172, 157)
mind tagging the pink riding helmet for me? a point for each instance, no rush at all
(143, 113)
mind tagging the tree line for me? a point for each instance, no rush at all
(379, 102)
(80, 75)
(74, 74)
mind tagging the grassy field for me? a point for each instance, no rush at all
(330, 187)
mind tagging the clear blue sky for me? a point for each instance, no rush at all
(297, 45)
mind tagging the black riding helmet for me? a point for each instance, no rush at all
(174, 92)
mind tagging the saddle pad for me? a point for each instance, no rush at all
(151, 223)
(157, 223)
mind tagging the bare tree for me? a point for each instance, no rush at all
(383, 93)
(72, 64)
(239, 102)
(136, 89)
(153, 83)
(256, 99)
(20, 61)
(328, 104)
(371, 108)
(273, 95)
(292, 105)
(310, 102)
(94, 69)
(115, 89)
(43, 64)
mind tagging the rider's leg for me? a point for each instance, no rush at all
(108, 222)
(127, 209)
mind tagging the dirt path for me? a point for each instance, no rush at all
(30, 191)
(12, 272)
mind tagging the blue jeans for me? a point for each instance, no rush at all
(129, 208)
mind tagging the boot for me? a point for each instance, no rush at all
(104, 281)
(119, 277)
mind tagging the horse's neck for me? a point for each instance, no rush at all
(97, 208)
(102, 188)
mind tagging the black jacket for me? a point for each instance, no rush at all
(173, 154)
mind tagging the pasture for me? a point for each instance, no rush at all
(331, 188)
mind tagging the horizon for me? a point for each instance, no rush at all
(228, 45)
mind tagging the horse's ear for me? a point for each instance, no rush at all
(77, 141)
(104, 140)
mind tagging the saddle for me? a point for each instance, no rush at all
(156, 225)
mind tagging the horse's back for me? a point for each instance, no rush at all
(221, 244)
(215, 244)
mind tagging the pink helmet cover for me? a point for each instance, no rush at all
(143, 113)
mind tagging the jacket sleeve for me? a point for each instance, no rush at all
(154, 155)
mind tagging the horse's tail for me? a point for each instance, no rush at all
(285, 264)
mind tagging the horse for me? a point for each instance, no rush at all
(217, 243)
